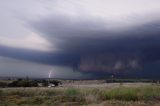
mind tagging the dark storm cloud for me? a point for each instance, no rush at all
(37, 56)
(93, 47)
(102, 38)
(89, 47)
(84, 35)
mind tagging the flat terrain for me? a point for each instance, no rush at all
(84, 94)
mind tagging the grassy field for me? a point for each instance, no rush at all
(121, 95)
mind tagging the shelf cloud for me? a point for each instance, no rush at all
(90, 37)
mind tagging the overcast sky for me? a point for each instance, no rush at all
(80, 38)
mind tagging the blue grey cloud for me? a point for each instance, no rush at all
(99, 38)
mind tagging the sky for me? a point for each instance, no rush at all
(80, 38)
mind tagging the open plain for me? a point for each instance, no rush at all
(80, 93)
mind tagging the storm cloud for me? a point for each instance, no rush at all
(98, 48)
(92, 37)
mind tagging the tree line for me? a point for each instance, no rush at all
(29, 83)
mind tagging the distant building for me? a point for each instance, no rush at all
(51, 85)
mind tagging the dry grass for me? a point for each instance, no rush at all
(77, 96)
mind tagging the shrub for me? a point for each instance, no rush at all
(71, 91)
(3, 84)
(23, 83)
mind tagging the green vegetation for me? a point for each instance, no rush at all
(28, 83)
(133, 94)
(116, 80)
(3, 84)
(23, 83)
(72, 96)
(71, 91)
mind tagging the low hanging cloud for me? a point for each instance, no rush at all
(93, 47)
(20, 68)
(107, 37)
